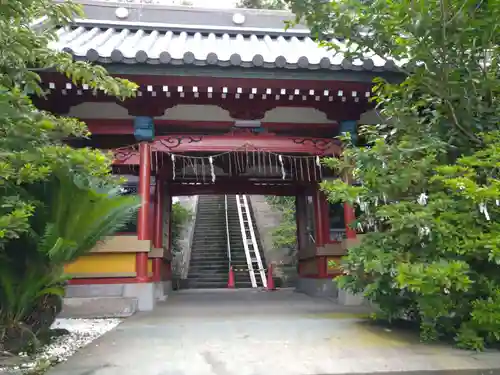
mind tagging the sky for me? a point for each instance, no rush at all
(203, 3)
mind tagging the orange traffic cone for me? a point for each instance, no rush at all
(270, 280)
(230, 280)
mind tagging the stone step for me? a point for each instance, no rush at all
(208, 276)
(209, 248)
(206, 251)
(212, 261)
(210, 231)
(222, 277)
(208, 271)
(214, 255)
(206, 285)
(204, 261)
(200, 243)
(209, 251)
(209, 235)
(98, 307)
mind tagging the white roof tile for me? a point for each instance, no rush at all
(113, 45)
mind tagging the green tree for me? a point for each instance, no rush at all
(429, 187)
(262, 4)
(37, 169)
(180, 217)
(31, 141)
(285, 234)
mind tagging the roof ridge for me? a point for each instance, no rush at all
(158, 26)
(117, 3)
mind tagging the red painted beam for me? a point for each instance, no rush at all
(185, 143)
(125, 126)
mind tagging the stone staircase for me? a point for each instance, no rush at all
(209, 262)
(208, 267)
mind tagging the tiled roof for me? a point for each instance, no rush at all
(118, 44)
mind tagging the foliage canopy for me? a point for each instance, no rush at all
(285, 234)
(429, 184)
(262, 4)
(56, 202)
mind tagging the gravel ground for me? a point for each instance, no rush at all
(81, 333)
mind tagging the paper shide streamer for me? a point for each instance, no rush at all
(484, 210)
(261, 163)
(246, 161)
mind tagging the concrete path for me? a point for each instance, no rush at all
(261, 333)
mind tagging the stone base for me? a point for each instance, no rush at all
(167, 287)
(328, 288)
(144, 293)
(348, 299)
(162, 290)
(98, 307)
(95, 290)
(317, 287)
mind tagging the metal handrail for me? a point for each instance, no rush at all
(255, 246)
(227, 232)
(245, 243)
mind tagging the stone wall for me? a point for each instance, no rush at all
(180, 262)
(266, 220)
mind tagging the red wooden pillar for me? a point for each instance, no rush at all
(143, 230)
(158, 228)
(319, 218)
(349, 218)
(321, 221)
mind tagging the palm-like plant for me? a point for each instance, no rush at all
(78, 216)
(71, 217)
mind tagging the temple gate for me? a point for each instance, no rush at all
(222, 109)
